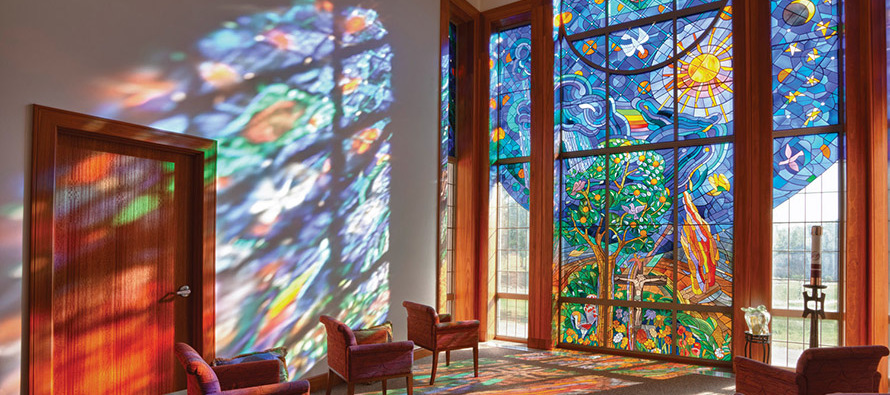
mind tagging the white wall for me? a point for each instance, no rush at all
(79, 55)
(485, 5)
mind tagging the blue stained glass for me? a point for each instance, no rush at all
(631, 10)
(515, 120)
(801, 20)
(641, 47)
(799, 160)
(514, 59)
(805, 63)
(580, 15)
(452, 91)
(510, 109)
(805, 85)
(639, 112)
(593, 49)
(513, 178)
(583, 113)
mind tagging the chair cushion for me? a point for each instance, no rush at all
(273, 353)
(376, 334)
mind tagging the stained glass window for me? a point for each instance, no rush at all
(510, 121)
(806, 169)
(645, 214)
(448, 143)
(806, 79)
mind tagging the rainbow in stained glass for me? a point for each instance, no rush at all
(805, 51)
(298, 98)
(639, 224)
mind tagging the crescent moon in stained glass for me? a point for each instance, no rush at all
(571, 39)
(799, 12)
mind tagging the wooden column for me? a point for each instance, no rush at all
(865, 319)
(540, 298)
(753, 164)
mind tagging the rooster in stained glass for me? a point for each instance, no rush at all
(586, 322)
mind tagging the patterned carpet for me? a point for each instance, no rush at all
(507, 369)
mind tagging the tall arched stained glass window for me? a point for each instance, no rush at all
(807, 173)
(510, 122)
(447, 154)
(644, 122)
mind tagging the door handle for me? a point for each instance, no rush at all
(184, 291)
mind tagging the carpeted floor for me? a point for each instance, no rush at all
(507, 369)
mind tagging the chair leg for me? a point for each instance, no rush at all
(350, 389)
(384, 386)
(447, 357)
(410, 380)
(476, 360)
(435, 364)
(330, 381)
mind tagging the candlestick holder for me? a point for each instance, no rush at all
(818, 296)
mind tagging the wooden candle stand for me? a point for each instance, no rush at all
(815, 295)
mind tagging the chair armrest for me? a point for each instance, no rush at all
(444, 317)
(459, 326)
(374, 349)
(289, 388)
(247, 374)
(754, 378)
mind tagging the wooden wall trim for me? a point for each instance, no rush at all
(752, 64)
(541, 268)
(866, 128)
(470, 156)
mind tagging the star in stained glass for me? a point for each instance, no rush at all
(813, 55)
(793, 49)
(792, 96)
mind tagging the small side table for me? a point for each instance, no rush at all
(763, 340)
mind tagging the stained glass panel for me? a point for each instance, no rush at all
(669, 210)
(704, 335)
(510, 118)
(641, 329)
(630, 10)
(800, 160)
(579, 15)
(579, 324)
(805, 63)
(640, 112)
(581, 102)
(641, 47)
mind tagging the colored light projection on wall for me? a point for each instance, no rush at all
(805, 44)
(11, 217)
(637, 224)
(297, 98)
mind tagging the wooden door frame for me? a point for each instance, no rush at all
(48, 124)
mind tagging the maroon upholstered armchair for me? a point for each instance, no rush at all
(436, 332)
(361, 363)
(258, 377)
(819, 371)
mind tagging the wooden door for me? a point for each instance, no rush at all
(119, 225)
